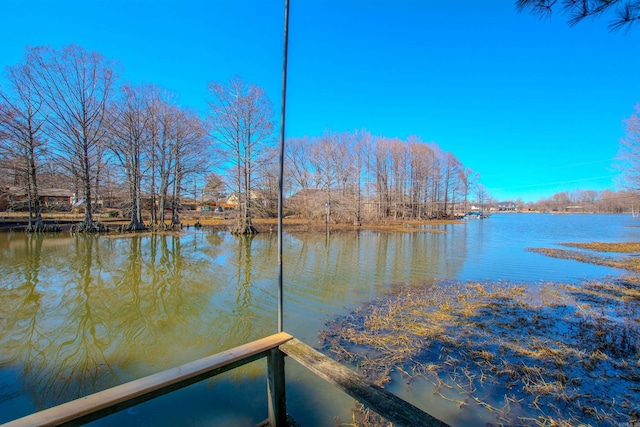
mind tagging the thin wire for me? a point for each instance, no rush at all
(281, 171)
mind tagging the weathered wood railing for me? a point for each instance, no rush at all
(274, 347)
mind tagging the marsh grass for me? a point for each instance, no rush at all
(550, 354)
(630, 263)
(618, 247)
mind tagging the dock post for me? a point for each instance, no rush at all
(276, 388)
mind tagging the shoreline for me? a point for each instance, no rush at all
(10, 221)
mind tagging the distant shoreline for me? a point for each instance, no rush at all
(17, 221)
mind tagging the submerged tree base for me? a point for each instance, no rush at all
(165, 227)
(43, 228)
(132, 227)
(94, 227)
(244, 229)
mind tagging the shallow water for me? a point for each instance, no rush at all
(82, 313)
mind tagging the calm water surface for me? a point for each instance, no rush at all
(79, 314)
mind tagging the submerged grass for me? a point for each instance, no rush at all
(619, 247)
(630, 263)
(552, 354)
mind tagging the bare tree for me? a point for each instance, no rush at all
(421, 165)
(468, 179)
(361, 142)
(160, 154)
(155, 149)
(626, 13)
(214, 186)
(128, 136)
(75, 85)
(628, 160)
(241, 123)
(325, 169)
(189, 154)
(297, 167)
(21, 123)
(164, 161)
(451, 175)
(382, 179)
(482, 196)
(399, 156)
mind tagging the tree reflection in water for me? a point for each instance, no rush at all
(239, 328)
(27, 337)
(98, 313)
(79, 314)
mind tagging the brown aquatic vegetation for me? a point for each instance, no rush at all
(545, 354)
(306, 225)
(630, 263)
(619, 247)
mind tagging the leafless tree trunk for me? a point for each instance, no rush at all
(190, 155)
(382, 178)
(129, 133)
(362, 140)
(450, 177)
(468, 179)
(21, 123)
(241, 123)
(628, 160)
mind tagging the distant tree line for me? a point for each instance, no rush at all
(68, 122)
(587, 201)
(357, 176)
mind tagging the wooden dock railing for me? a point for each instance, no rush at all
(274, 347)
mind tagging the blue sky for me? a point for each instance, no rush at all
(533, 105)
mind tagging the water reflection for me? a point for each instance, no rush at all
(101, 312)
(81, 313)
(242, 305)
(23, 297)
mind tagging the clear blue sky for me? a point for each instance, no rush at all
(533, 105)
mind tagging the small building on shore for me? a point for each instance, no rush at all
(17, 199)
(507, 207)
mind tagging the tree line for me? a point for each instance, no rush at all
(357, 176)
(65, 115)
(67, 121)
(586, 201)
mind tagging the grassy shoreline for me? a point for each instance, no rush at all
(263, 225)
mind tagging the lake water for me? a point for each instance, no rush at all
(82, 313)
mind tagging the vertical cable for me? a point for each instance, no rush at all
(281, 171)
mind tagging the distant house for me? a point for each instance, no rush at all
(16, 199)
(257, 196)
(574, 208)
(507, 207)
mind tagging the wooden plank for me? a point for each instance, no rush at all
(115, 399)
(276, 389)
(390, 406)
